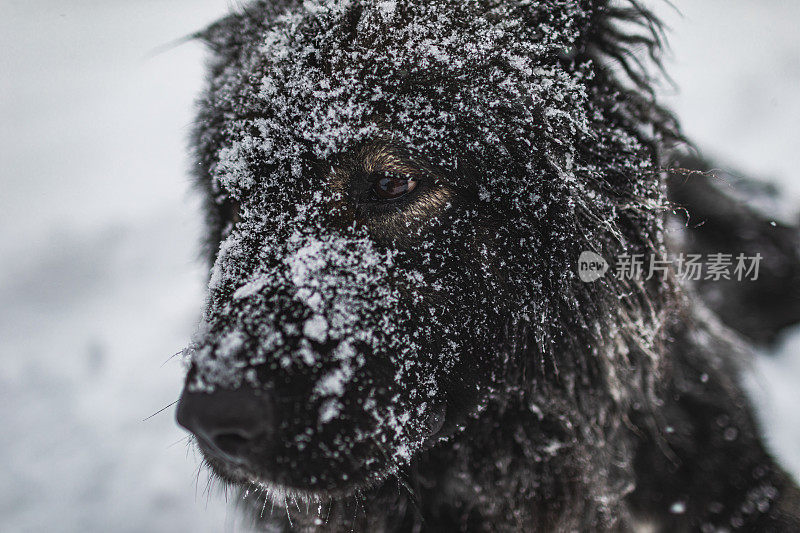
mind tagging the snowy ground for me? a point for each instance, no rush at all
(99, 282)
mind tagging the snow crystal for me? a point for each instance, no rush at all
(250, 288)
(333, 383)
(387, 8)
(316, 328)
(402, 453)
(678, 508)
(330, 409)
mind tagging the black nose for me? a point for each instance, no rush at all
(230, 424)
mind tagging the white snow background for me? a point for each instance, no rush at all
(100, 280)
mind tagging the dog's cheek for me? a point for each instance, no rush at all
(479, 312)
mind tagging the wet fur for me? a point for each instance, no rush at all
(623, 401)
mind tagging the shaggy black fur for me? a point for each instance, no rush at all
(396, 338)
(726, 213)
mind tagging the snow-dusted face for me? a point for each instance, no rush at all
(347, 310)
(396, 188)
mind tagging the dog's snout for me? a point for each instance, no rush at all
(233, 425)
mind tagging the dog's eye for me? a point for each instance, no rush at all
(391, 186)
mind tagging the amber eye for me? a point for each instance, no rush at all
(391, 186)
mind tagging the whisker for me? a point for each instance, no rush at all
(288, 515)
(171, 45)
(160, 411)
(197, 480)
(355, 514)
(206, 492)
(264, 506)
(171, 357)
(182, 439)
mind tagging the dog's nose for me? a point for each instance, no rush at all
(231, 424)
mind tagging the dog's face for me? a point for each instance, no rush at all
(346, 298)
(400, 190)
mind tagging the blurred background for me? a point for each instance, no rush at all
(100, 277)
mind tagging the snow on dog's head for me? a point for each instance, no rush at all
(399, 191)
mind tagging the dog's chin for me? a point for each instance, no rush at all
(248, 478)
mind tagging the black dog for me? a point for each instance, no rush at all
(396, 337)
